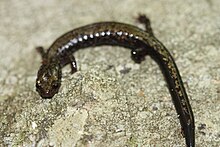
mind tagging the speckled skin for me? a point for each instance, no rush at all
(139, 41)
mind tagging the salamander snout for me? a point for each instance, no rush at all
(48, 79)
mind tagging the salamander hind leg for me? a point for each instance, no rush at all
(143, 19)
(138, 54)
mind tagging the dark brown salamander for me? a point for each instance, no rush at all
(139, 41)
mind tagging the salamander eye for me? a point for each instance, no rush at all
(55, 85)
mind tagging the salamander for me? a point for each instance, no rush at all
(140, 42)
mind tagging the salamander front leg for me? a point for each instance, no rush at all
(42, 52)
(69, 59)
(138, 54)
(73, 65)
(143, 19)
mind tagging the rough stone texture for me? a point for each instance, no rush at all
(110, 101)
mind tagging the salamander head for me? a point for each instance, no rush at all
(48, 79)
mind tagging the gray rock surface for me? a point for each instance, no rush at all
(110, 101)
